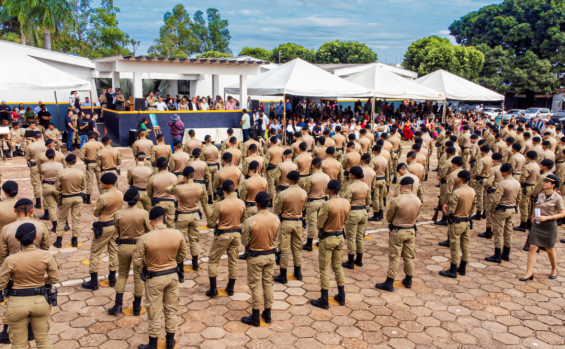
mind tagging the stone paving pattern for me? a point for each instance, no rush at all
(487, 308)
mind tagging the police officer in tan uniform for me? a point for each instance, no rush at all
(89, 154)
(211, 157)
(273, 158)
(227, 141)
(226, 219)
(282, 170)
(445, 170)
(401, 215)
(417, 169)
(297, 136)
(158, 254)
(289, 206)
(192, 143)
(350, 159)
(340, 142)
(480, 175)
(138, 177)
(142, 145)
(253, 156)
(320, 150)
(179, 159)
(201, 170)
(303, 161)
(333, 214)
(42, 158)
(157, 191)
(70, 182)
(7, 214)
(27, 305)
(331, 166)
(228, 171)
(49, 171)
(380, 166)
(130, 224)
(108, 160)
(258, 238)
(404, 171)
(396, 150)
(161, 150)
(16, 137)
(234, 151)
(250, 187)
(105, 232)
(459, 208)
(504, 206)
(53, 133)
(358, 194)
(490, 186)
(189, 194)
(31, 154)
(315, 186)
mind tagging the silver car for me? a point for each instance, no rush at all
(532, 112)
(512, 112)
(559, 116)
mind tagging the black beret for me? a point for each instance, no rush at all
(464, 174)
(498, 135)
(399, 166)
(230, 130)
(23, 202)
(330, 150)
(366, 157)
(510, 140)
(177, 142)
(287, 152)
(105, 139)
(253, 165)
(261, 196)
(50, 153)
(465, 128)
(380, 142)
(227, 156)
(10, 186)
(233, 140)
(406, 180)
(91, 133)
(334, 184)
(418, 133)
(187, 170)
(517, 146)
(139, 153)
(227, 184)
(506, 167)
(27, 232)
(416, 146)
(163, 161)
(535, 129)
(419, 141)
(37, 133)
(297, 134)
(474, 136)
(303, 146)
(70, 158)
(130, 194)
(305, 128)
(457, 161)
(563, 139)
(316, 161)
(49, 141)
(350, 144)
(197, 151)
(326, 132)
(497, 156)
(536, 139)
(156, 212)
(423, 128)
(322, 140)
(531, 154)
(293, 175)
(273, 139)
(546, 143)
(108, 178)
(520, 129)
(485, 148)
(449, 144)
(453, 138)
(356, 171)
(481, 142)
(547, 133)
(547, 163)
(450, 150)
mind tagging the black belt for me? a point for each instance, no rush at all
(271, 167)
(392, 227)
(282, 187)
(48, 182)
(160, 200)
(199, 181)
(443, 181)
(381, 178)
(191, 212)
(302, 176)
(250, 204)
(560, 162)
(254, 254)
(504, 208)
(70, 196)
(90, 162)
(177, 174)
(353, 208)
(106, 224)
(310, 200)
(524, 185)
(455, 220)
(516, 173)
(32, 164)
(28, 292)
(310, 151)
(491, 191)
(140, 189)
(110, 169)
(152, 274)
(214, 164)
(479, 177)
(127, 242)
(219, 231)
(322, 235)
(291, 219)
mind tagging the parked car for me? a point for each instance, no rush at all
(532, 112)
(492, 111)
(559, 116)
(512, 112)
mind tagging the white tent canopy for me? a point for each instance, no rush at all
(456, 88)
(300, 78)
(386, 84)
(20, 72)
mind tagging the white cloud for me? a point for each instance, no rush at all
(444, 32)
(249, 12)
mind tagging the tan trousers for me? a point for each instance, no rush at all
(260, 272)
(91, 174)
(479, 191)
(73, 204)
(271, 184)
(169, 207)
(213, 173)
(488, 211)
(251, 211)
(22, 310)
(394, 163)
(108, 239)
(312, 210)
(525, 207)
(290, 238)
(503, 227)
(226, 242)
(459, 238)
(50, 200)
(379, 195)
(35, 178)
(144, 202)
(102, 190)
(14, 143)
(162, 297)
(401, 243)
(330, 255)
(355, 225)
(443, 196)
(189, 226)
(125, 253)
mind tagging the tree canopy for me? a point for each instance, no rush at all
(345, 52)
(176, 38)
(257, 52)
(214, 54)
(290, 51)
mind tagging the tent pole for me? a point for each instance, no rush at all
(58, 114)
(91, 105)
(373, 115)
(444, 110)
(284, 118)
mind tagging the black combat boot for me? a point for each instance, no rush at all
(278, 257)
(210, 201)
(4, 335)
(477, 216)
(407, 281)
(462, 268)
(136, 306)
(54, 227)
(487, 234)
(451, 272)
(350, 262)
(45, 216)
(252, 320)
(170, 341)
(59, 242)
(87, 200)
(244, 255)
(195, 263)
(496, 258)
(359, 260)
(394, 180)
(445, 243)
(37, 203)
(308, 245)
(484, 215)
(522, 227)
(375, 217)
(387, 285)
(152, 344)
(442, 221)
(340, 296)
(112, 278)
(304, 224)
(298, 273)
(213, 291)
(180, 270)
(560, 222)
(281, 277)
(117, 308)
(505, 254)
(74, 241)
(229, 287)
(322, 302)
(93, 283)
(384, 205)
(266, 315)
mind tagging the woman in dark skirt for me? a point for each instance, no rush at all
(544, 227)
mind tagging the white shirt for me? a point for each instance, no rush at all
(276, 127)
(37, 110)
(204, 106)
(161, 106)
(320, 106)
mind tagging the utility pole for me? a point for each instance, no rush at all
(279, 56)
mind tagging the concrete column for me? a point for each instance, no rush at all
(115, 80)
(215, 86)
(243, 92)
(137, 85)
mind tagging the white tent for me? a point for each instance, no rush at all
(300, 78)
(456, 88)
(386, 84)
(20, 72)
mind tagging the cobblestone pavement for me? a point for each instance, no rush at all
(487, 308)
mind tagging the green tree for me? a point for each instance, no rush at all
(290, 51)
(432, 53)
(75, 37)
(214, 54)
(256, 52)
(104, 35)
(491, 76)
(176, 38)
(345, 52)
(212, 33)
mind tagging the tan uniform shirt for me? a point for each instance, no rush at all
(158, 184)
(9, 245)
(358, 194)
(259, 231)
(251, 187)
(319, 152)
(494, 178)
(191, 145)
(49, 170)
(228, 214)
(227, 172)
(189, 194)
(290, 202)
(108, 157)
(143, 144)
(507, 193)
(108, 204)
(462, 202)
(303, 162)
(282, 170)
(350, 159)
(28, 268)
(33, 150)
(211, 154)
(160, 249)
(316, 185)
(249, 159)
(90, 149)
(403, 210)
(139, 176)
(517, 161)
(333, 214)
(236, 155)
(369, 177)
(333, 168)
(160, 151)
(132, 222)
(274, 155)
(70, 181)
(7, 214)
(550, 205)
(380, 165)
(416, 169)
(178, 161)
(201, 171)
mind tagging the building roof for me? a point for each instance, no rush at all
(232, 60)
(332, 67)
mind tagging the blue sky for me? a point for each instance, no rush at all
(388, 26)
